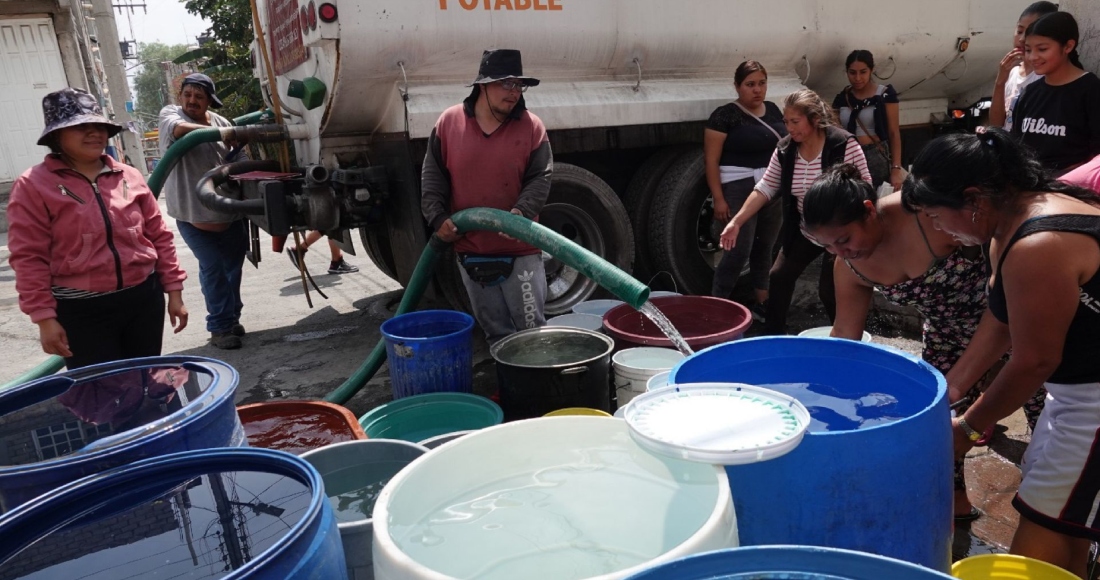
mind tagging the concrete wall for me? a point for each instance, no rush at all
(1087, 13)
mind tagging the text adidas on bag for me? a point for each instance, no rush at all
(1039, 127)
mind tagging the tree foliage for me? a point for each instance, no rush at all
(228, 57)
(150, 85)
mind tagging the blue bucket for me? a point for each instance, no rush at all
(224, 513)
(885, 489)
(60, 428)
(430, 351)
(798, 562)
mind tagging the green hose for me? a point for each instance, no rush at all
(254, 117)
(51, 365)
(413, 292)
(613, 279)
(176, 152)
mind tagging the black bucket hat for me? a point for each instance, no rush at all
(70, 107)
(504, 63)
(207, 85)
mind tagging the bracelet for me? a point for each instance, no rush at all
(896, 167)
(971, 434)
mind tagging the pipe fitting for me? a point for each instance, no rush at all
(207, 188)
(316, 175)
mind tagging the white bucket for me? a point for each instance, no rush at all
(597, 307)
(635, 366)
(657, 381)
(823, 332)
(606, 509)
(583, 321)
(662, 293)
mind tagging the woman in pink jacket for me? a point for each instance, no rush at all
(92, 255)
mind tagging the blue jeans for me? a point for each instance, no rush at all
(221, 259)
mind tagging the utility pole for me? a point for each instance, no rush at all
(115, 70)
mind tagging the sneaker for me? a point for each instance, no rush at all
(758, 311)
(293, 254)
(342, 267)
(225, 340)
(237, 330)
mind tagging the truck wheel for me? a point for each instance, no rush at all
(681, 239)
(584, 209)
(377, 244)
(638, 200)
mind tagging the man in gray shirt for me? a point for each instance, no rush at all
(218, 240)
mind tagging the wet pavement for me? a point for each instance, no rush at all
(293, 351)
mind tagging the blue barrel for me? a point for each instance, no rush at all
(430, 351)
(885, 489)
(60, 428)
(224, 513)
(800, 562)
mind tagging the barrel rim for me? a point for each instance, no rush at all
(405, 404)
(606, 340)
(722, 507)
(842, 345)
(135, 478)
(387, 333)
(217, 368)
(611, 317)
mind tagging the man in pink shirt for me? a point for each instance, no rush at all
(490, 151)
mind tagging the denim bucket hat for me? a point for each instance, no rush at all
(70, 107)
(504, 63)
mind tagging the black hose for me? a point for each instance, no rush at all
(207, 188)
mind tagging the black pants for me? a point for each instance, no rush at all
(796, 255)
(754, 242)
(122, 325)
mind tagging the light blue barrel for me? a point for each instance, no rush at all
(430, 351)
(788, 563)
(884, 489)
(63, 427)
(229, 514)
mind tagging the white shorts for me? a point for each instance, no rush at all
(1061, 468)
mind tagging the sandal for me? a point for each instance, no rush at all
(974, 514)
(986, 436)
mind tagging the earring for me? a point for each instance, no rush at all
(974, 217)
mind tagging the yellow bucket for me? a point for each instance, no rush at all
(577, 411)
(1007, 567)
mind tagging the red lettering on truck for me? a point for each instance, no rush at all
(470, 5)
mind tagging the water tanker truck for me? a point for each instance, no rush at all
(626, 87)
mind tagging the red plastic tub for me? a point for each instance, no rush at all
(298, 426)
(702, 320)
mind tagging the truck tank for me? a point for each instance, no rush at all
(625, 87)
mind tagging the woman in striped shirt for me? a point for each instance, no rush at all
(814, 143)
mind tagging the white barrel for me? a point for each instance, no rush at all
(823, 332)
(596, 307)
(584, 321)
(633, 367)
(554, 497)
(657, 381)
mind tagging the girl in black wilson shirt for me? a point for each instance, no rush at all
(1058, 115)
(1044, 249)
(737, 144)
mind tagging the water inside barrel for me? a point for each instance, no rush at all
(201, 528)
(122, 403)
(296, 432)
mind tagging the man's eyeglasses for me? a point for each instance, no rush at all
(512, 85)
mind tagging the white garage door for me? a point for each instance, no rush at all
(30, 68)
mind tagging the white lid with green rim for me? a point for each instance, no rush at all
(717, 423)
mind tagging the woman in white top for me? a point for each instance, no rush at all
(1015, 72)
(814, 142)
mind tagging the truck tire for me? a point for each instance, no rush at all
(680, 239)
(584, 209)
(638, 200)
(377, 243)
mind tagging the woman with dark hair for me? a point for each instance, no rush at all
(813, 144)
(1015, 72)
(737, 143)
(1044, 248)
(1058, 115)
(92, 255)
(869, 111)
(885, 248)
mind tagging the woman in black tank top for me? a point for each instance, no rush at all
(1044, 245)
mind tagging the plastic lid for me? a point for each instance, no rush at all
(718, 423)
